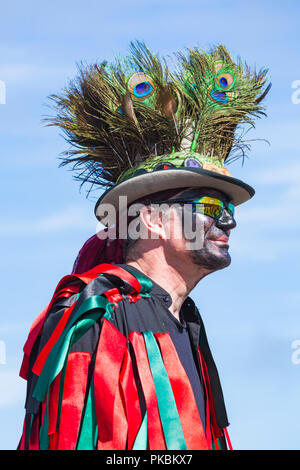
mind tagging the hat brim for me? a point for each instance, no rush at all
(146, 184)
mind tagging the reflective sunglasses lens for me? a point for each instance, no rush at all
(213, 207)
(212, 210)
(210, 206)
(230, 209)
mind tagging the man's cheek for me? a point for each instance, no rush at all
(195, 231)
(208, 223)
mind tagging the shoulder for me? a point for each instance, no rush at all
(79, 302)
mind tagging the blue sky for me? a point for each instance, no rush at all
(251, 309)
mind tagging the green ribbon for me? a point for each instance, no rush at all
(59, 352)
(72, 336)
(88, 433)
(43, 434)
(141, 439)
(220, 444)
(165, 399)
(145, 282)
(77, 331)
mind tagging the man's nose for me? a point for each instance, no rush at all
(226, 221)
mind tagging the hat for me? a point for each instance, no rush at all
(137, 127)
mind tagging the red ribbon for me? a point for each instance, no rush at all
(184, 397)
(109, 357)
(217, 432)
(228, 439)
(42, 357)
(67, 291)
(131, 398)
(53, 404)
(73, 399)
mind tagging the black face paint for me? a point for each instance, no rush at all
(214, 253)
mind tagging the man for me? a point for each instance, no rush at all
(120, 359)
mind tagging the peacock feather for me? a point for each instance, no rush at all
(122, 117)
(222, 96)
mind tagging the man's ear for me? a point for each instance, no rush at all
(154, 221)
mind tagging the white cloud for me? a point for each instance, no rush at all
(270, 228)
(20, 73)
(285, 174)
(273, 215)
(12, 387)
(13, 328)
(282, 203)
(263, 248)
(72, 217)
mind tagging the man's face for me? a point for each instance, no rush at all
(213, 253)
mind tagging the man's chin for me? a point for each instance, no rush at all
(212, 260)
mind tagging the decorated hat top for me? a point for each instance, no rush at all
(134, 119)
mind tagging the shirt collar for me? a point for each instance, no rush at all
(188, 311)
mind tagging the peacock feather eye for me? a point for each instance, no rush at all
(218, 96)
(141, 86)
(225, 80)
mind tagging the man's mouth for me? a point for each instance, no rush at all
(223, 240)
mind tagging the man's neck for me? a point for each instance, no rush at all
(177, 280)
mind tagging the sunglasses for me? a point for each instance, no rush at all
(212, 206)
(207, 205)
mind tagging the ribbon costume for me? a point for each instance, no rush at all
(107, 365)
